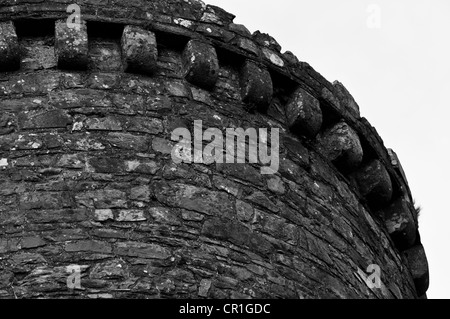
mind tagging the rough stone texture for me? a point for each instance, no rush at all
(395, 162)
(9, 47)
(303, 114)
(201, 64)
(86, 176)
(375, 183)
(418, 264)
(346, 99)
(139, 51)
(400, 223)
(341, 145)
(71, 45)
(257, 87)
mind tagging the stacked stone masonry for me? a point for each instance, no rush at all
(87, 179)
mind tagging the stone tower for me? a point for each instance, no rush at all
(92, 204)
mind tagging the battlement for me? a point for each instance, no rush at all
(87, 112)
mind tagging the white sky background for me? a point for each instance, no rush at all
(399, 76)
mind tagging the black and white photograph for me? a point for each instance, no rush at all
(229, 156)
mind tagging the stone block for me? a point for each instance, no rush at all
(236, 233)
(131, 216)
(397, 165)
(200, 63)
(341, 145)
(88, 246)
(9, 47)
(346, 99)
(139, 50)
(47, 119)
(304, 115)
(256, 86)
(374, 183)
(103, 124)
(32, 242)
(196, 199)
(400, 223)
(128, 141)
(142, 250)
(203, 290)
(71, 46)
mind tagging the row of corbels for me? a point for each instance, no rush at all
(339, 143)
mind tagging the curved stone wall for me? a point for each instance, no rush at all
(92, 204)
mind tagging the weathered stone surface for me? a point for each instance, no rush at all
(237, 234)
(276, 185)
(341, 145)
(103, 199)
(256, 86)
(88, 246)
(374, 183)
(140, 193)
(205, 286)
(244, 211)
(397, 165)
(346, 99)
(48, 119)
(241, 171)
(9, 47)
(145, 125)
(32, 242)
(273, 57)
(266, 40)
(297, 151)
(162, 146)
(111, 269)
(103, 124)
(87, 178)
(131, 216)
(44, 200)
(142, 250)
(37, 55)
(142, 166)
(303, 114)
(247, 45)
(201, 66)
(57, 216)
(71, 45)
(139, 50)
(400, 223)
(9, 245)
(418, 264)
(71, 161)
(104, 56)
(194, 198)
(107, 164)
(240, 29)
(129, 141)
(103, 214)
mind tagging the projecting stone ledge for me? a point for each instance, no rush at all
(9, 47)
(200, 63)
(341, 145)
(374, 183)
(71, 46)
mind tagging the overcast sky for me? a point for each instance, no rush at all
(393, 56)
